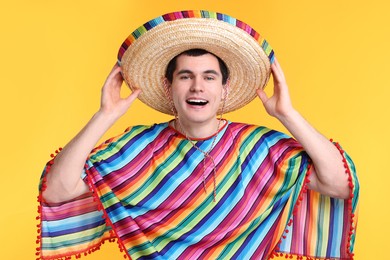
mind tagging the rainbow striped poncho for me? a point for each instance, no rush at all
(147, 192)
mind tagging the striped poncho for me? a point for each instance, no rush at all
(148, 193)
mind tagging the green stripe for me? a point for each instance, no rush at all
(165, 168)
(116, 144)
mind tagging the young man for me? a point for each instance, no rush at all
(199, 186)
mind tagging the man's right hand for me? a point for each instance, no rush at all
(111, 101)
(64, 180)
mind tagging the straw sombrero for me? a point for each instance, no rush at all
(146, 52)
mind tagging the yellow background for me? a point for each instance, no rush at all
(55, 56)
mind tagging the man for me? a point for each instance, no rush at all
(198, 186)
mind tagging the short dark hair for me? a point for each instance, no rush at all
(195, 53)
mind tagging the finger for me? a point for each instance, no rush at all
(133, 96)
(115, 78)
(262, 95)
(115, 70)
(116, 65)
(277, 71)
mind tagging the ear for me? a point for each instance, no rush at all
(167, 87)
(225, 89)
(167, 91)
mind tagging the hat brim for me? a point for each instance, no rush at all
(144, 58)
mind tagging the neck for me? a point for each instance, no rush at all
(198, 130)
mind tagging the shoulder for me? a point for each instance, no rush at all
(252, 129)
(130, 137)
(258, 142)
(261, 137)
(137, 129)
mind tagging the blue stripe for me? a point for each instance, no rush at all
(72, 224)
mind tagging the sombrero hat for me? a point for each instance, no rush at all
(146, 52)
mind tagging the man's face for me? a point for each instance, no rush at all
(196, 88)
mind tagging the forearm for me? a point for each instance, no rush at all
(64, 182)
(329, 174)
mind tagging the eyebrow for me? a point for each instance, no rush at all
(204, 72)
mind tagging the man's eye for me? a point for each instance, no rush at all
(184, 77)
(209, 78)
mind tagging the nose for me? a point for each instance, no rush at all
(197, 85)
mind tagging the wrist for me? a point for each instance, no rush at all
(105, 118)
(289, 117)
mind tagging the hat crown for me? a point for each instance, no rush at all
(145, 53)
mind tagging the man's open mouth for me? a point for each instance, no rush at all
(196, 102)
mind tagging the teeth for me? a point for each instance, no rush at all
(196, 102)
